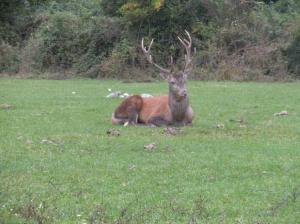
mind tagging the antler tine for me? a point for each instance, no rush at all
(171, 63)
(181, 41)
(150, 60)
(171, 60)
(189, 36)
(150, 44)
(188, 60)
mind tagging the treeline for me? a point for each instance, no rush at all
(235, 39)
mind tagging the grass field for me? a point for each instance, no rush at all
(58, 165)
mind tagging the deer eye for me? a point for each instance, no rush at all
(172, 83)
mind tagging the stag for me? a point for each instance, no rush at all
(171, 109)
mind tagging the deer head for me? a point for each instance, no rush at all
(176, 79)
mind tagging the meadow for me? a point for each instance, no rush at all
(237, 163)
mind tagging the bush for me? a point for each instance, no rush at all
(293, 55)
(120, 62)
(247, 46)
(68, 42)
(31, 56)
(240, 40)
(9, 58)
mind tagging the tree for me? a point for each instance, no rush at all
(163, 20)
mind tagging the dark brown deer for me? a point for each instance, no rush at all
(171, 109)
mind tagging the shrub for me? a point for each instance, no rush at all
(293, 55)
(9, 58)
(121, 60)
(31, 58)
(68, 42)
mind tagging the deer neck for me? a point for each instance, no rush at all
(178, 107)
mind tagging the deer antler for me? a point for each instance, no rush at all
(188, 56)
(187, 43)
(150, 59)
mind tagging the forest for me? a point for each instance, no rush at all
(241, 40)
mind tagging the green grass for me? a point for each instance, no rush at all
(205, 175)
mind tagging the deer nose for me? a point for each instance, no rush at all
(184, 93)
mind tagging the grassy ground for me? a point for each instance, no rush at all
(58, 165)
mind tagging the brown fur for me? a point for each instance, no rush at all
(128, 110)
(155, 107)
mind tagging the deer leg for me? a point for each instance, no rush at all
(158, 121)
(132, 115)
(133, 118)
(188, 116)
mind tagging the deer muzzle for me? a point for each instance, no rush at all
(183, 93)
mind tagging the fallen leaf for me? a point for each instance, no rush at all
(5, 106)
(237, 120)
(46, 141)
(114, 94)
(150, 147)
(132, 167)
(220, 126)
(113, 132)
(172, 131)
(282, 113)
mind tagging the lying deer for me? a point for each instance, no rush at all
(173, 109)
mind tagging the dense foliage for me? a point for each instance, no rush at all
(235, 39)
